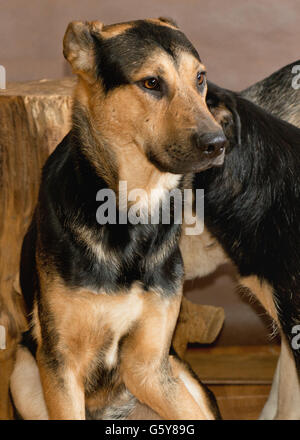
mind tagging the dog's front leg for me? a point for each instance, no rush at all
(284, 399)
(62, 388)
(270, 409)
(163, 382)
(288, 406)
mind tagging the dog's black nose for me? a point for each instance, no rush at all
(212, 144)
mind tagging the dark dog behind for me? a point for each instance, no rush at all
(279, 93)
(252, 205)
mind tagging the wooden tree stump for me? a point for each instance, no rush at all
(34, 117)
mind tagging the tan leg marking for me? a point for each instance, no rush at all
(270, 408)
(155, 378)
(83, 322)
(263, 292)
(288, 406)
(284, 399)
(64, 402)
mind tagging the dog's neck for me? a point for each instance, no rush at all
(139, 174)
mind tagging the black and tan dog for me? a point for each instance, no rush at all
(255, 196)
(252, 208)
(104, 299)
(279, 94)
(275, 94)
(201, 255)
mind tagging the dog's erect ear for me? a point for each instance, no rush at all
(78, 45)
(222, 104)
(169, 21)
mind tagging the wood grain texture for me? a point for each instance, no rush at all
(241, 402)
(34, 118)
(234, 365)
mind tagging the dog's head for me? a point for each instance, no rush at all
(223, 105)
(143, 83)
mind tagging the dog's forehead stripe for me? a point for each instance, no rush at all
(152, 34)
(118, 56)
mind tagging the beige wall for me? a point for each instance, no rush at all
(240, 41)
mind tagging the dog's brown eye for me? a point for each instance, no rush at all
(200, 78)
(151, 84)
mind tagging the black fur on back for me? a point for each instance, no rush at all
(276, 94)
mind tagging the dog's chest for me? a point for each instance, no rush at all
(92, 325)
(119, 315)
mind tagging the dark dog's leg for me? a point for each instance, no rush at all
(270, 409)
(284, 400)
(288, 308)
(158, 380)
(288, 385)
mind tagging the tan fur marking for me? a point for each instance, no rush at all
(146, 176)
(63, 403)
(78, 50)
(84, 323)
(221, 113)
(83, 320)
(288, 404)
(188, 64)
(162, 23)
(191, 385)
(94, 246)
(115, 30)
(263, 292)
(153, 376)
